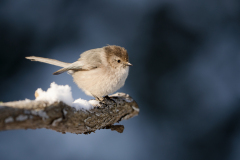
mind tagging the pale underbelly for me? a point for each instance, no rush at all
(95, 84)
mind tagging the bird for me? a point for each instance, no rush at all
(98, 72)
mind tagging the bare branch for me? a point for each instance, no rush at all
(63, 118)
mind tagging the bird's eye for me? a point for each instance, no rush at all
(119, 61)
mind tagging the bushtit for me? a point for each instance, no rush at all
(98, 72)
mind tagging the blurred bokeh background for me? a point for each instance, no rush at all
(185, 75)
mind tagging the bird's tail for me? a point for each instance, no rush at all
(49, 61)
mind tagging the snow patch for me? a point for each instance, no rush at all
(21, 117)
(27, 100)
(9, 119)
(94, 102)
(63, 93)
(40, 113)
(81, 104)
(55, 93)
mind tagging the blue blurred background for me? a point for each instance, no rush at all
(185, 75)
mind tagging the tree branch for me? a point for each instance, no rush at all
(63, 118)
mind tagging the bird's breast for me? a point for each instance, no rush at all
(101, 81)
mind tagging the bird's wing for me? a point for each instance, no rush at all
(89, 60)
(78, 66)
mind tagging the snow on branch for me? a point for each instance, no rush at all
(61, 114)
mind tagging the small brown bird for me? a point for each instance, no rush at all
(98, 72)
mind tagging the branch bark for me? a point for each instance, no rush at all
(63, 118)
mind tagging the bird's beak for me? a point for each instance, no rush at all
(128, 64)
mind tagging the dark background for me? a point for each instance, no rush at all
(185, 75)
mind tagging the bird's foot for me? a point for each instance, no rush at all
(108, 98)
(105, 99)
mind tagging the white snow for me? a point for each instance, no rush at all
(81, 104)
(27, 100)
(94, 102)
(63, 93)
(21, 117)
(40, 113)
(9, 119)
(55, 93)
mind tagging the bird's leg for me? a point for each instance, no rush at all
(100, 99)
(104, 99)
(108, 98)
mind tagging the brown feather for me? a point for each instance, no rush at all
(117, 51)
